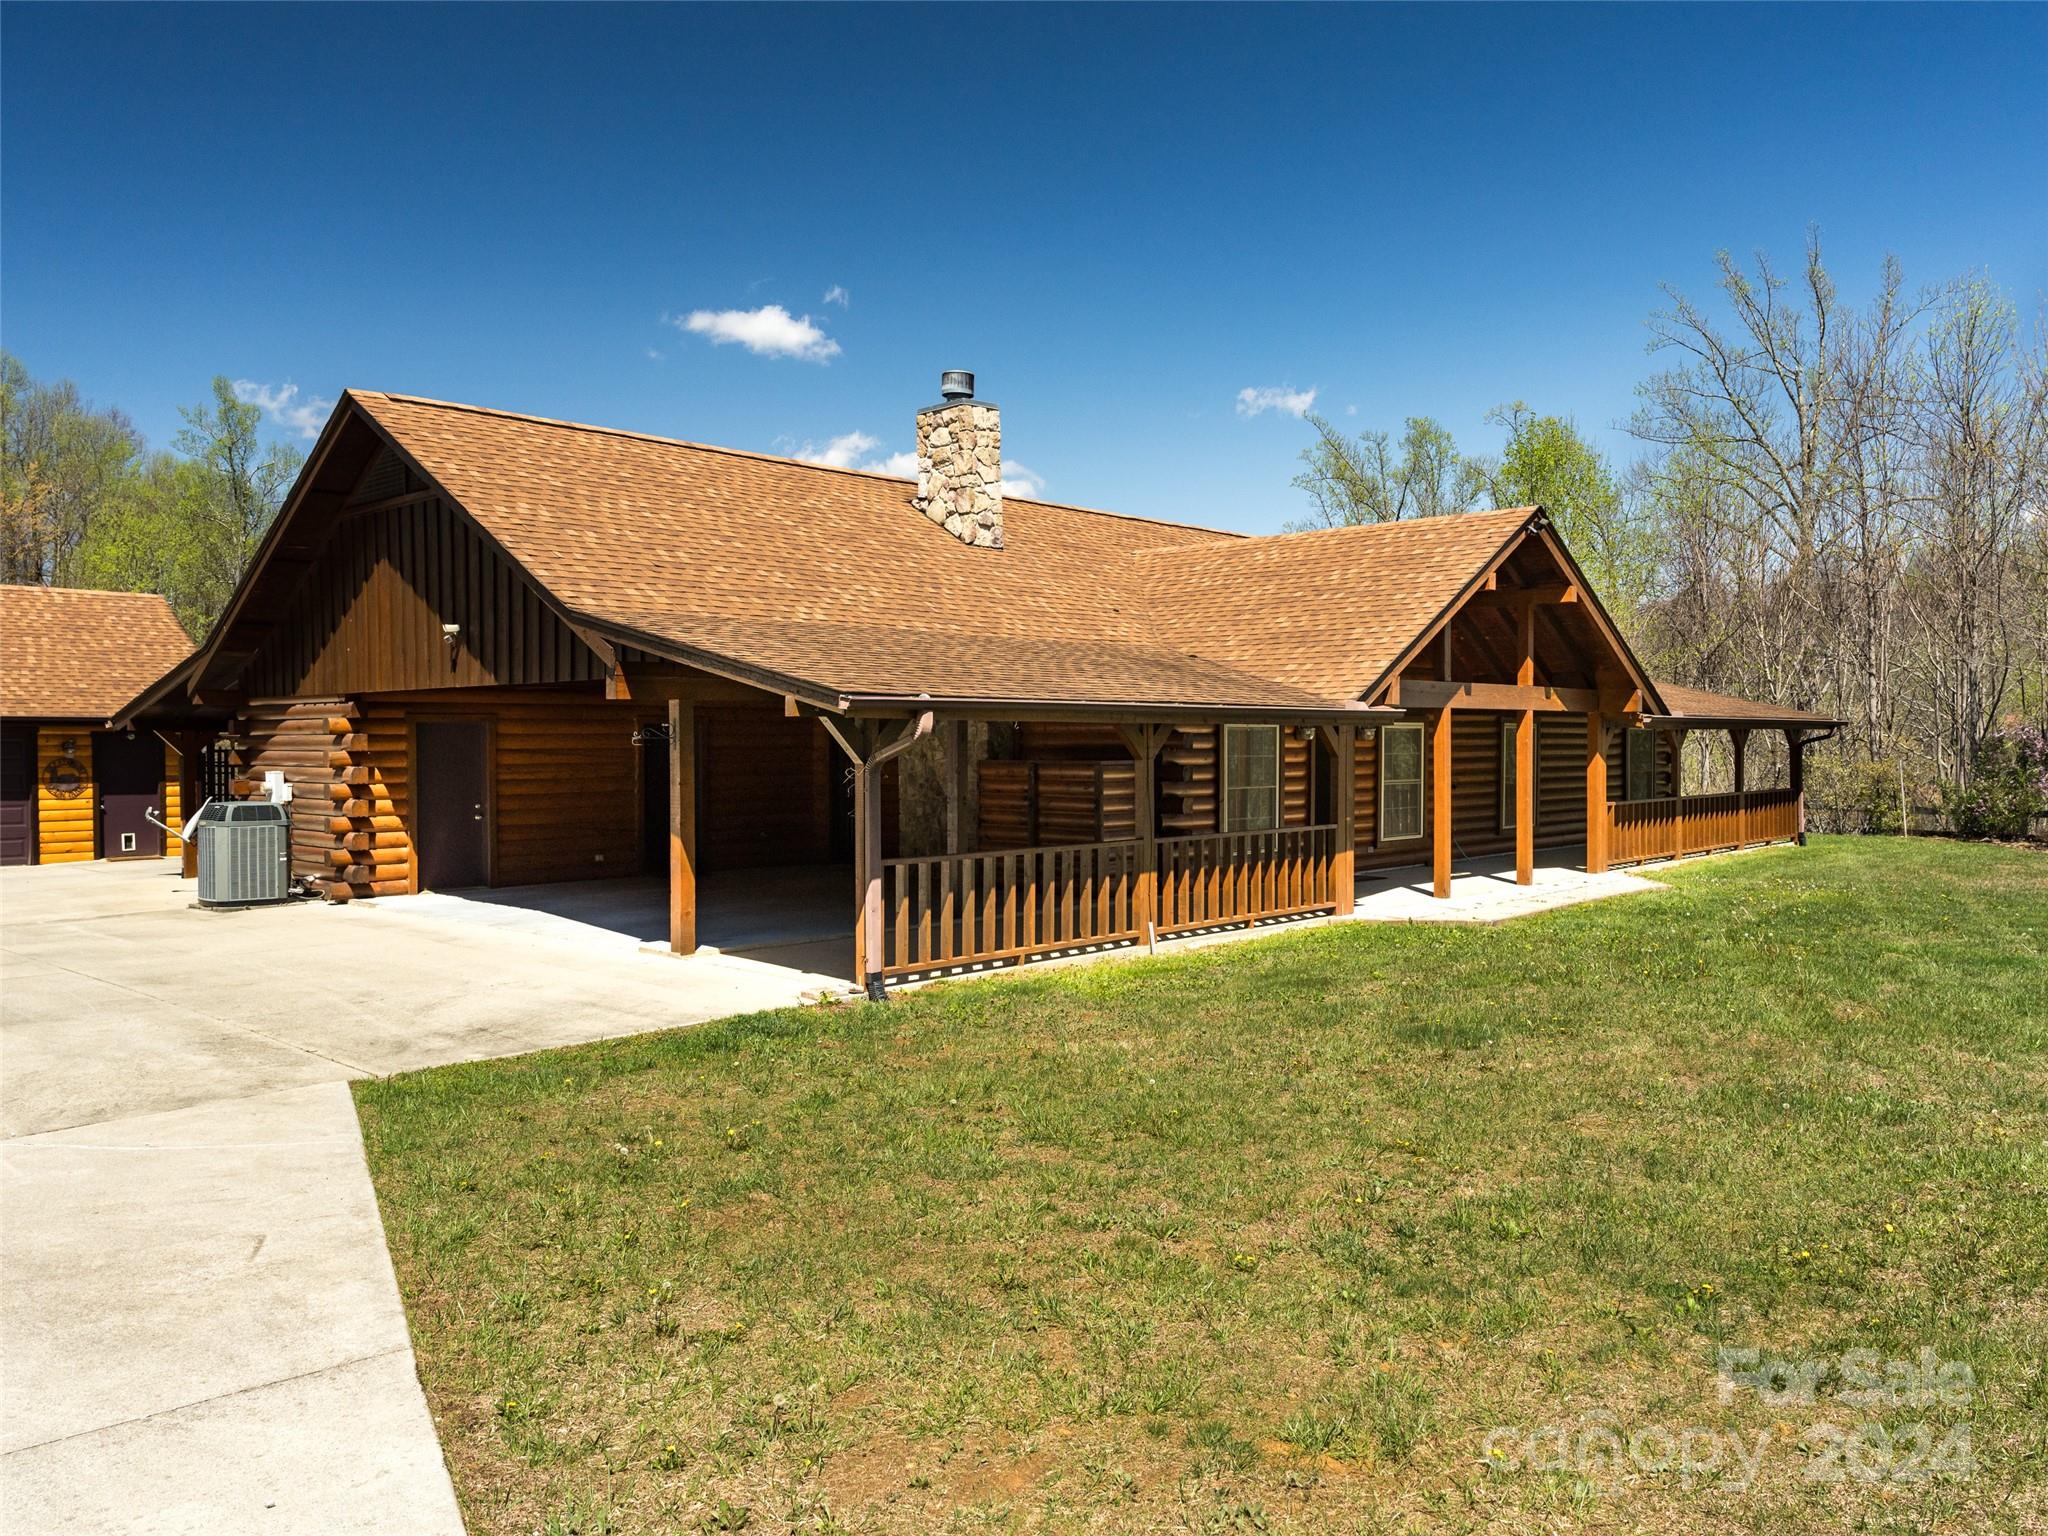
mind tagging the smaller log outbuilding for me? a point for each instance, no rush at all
(487, 649)
(71, 787)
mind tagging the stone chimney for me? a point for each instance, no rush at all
(960, 464)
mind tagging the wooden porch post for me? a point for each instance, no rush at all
(1144, 742)
(870, 956)
(1525, 754)
(1739, 742)
(682, 827)
(190, 745)
(870, 745)
(1796, 745)
(1344, 780)
(1440, 802)
(1596, 793)
(956, 771)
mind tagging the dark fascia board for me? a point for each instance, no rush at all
(1667, 722)
(159, 693)
(727, 667)
(871, 706)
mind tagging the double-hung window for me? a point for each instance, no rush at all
(1400, 782)
(1251, 778)
(1639, 762)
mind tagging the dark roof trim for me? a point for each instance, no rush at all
(864, 706)
(710, 661)
(1793, 721)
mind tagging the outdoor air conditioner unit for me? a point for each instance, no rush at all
(244, 853)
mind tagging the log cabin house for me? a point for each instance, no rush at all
(72, 789)
(489, 649)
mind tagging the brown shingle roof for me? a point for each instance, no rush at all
(67, 654)
(1328, 610)
(831, 576)
(1703, 705)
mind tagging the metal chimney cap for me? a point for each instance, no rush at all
(956, 384)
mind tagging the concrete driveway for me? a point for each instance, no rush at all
(199, 1323)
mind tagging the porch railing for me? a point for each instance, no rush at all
(1235, 877)
(953, 910)
(1639, 830)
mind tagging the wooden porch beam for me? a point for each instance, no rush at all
(1429, 694)
(1344, 784)
(1739, 742)
(1521, 597)
(1525, 750)
(1440, 802)
(682, 827)
(1596, 793)
(871, 743)
(658, 682)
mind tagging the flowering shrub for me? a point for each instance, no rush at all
(2009, 786)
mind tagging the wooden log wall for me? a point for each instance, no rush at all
(767, 789)
(1187, 781)
(66, 825)
(1560, 778)
(1006, 816)
(174, 799)
(1055, 802)
(337, 797)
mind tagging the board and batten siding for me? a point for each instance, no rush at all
(371, 609)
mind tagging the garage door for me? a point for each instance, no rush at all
(17, 795)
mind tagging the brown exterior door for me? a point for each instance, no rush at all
(17, 794)
(452, 758)
(129, 769)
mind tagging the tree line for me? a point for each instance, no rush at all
(85, 502)
(1835, 506)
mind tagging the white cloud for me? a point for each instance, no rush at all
(837, 295)
(281, 403)
(902, 465)
(1019, 481)
(842, 452)
(1350, 410)
(1256, 402)
(655, 354)
(770, 331)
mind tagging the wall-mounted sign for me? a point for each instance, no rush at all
(64, 778)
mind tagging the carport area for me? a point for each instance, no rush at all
(197, 1309)
(799, 919)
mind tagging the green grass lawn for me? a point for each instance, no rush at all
(1272, 1236)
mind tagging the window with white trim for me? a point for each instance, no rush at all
(1639, 764)
(1251, 778)
(1400, 782)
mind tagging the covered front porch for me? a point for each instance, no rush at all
(983, 893)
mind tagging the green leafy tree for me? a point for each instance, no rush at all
(1547, 463)
(187, 524)
(59, 462)
(1371, 479)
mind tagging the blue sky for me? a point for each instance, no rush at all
(1120, 218)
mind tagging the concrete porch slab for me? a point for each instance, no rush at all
(1484, 890)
